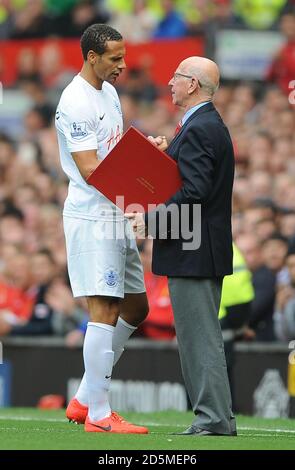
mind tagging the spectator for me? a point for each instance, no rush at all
(287, 224)
(6, 21)
(40, 322)
(30, 21)
(172, 25)
(235, 309)
(17, 297)
(12, 228)
(83, 14)
(260, 324)
(137, 25)
(54, 74)
(27, 66)
(284, 317)
(282, 69)
(274, 250)
(67, 315)
(139, 86)
(159, 324)
(260, 218)
(258, 14)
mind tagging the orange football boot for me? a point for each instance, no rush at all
(114, 423)
(76, 412)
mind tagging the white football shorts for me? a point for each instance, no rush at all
(102, 256)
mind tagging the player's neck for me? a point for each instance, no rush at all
(88, 75)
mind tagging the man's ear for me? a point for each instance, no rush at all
(91, 57)
(193, 86)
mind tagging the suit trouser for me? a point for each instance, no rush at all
(195, 304)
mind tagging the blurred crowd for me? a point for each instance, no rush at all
(35, 297)
(138, 20)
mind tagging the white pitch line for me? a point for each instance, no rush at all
(240, 428)
(146, 423)
(27, 418)
(248, 428)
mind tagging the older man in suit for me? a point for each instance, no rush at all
(203, 150)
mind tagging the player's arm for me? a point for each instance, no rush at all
(86, 161)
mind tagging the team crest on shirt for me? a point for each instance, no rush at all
(78, 130)
(111, 278)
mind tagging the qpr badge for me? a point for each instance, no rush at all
(111, 278)
(78, 130)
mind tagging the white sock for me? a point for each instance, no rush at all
(122, 333)
(98, 360)
(82, 394)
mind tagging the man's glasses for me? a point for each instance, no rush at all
(178, 75)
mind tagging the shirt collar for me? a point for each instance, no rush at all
(192, 110)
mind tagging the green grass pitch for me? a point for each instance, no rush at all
(28, 428)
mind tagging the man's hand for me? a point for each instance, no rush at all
(137, 223)
(249, 334)
(160, 142)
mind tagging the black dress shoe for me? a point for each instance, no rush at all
(195, 431)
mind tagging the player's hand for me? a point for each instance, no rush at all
(137, 223)
(160, 142)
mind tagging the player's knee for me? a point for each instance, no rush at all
(143, 311)
(136, 312)
(109, 318)
(103, 309)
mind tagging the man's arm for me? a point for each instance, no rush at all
(196, 162)
(86, 162)
(83, 149)
(137, 220)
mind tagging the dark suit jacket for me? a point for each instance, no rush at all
(204, 153)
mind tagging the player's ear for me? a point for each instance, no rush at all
(91, 57)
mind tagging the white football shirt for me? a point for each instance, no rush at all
(86, 119)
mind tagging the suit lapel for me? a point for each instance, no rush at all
(204, 109)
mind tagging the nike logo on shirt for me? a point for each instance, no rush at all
(101, 117)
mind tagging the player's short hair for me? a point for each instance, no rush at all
(95, 37)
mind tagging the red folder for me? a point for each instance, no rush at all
(136, 175)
